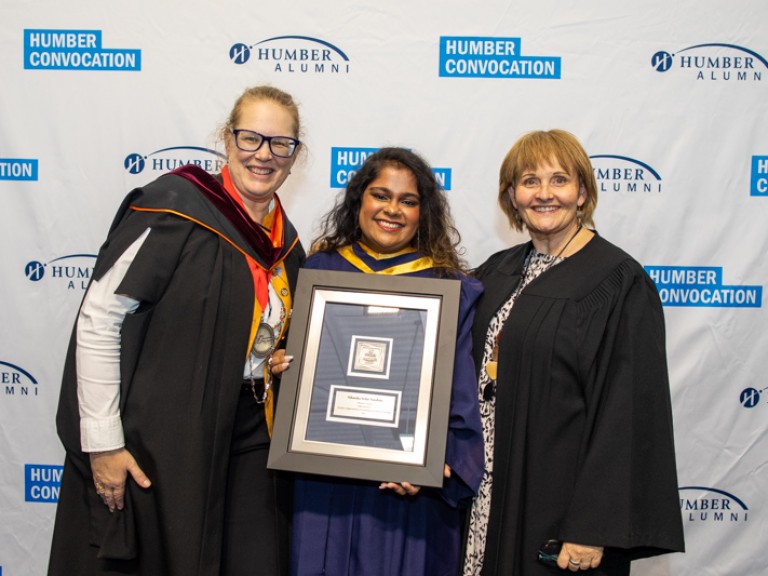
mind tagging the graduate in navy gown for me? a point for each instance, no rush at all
(394, 219)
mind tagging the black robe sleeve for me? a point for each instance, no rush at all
(625, 490)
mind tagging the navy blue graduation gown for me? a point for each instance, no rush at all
(348, 527)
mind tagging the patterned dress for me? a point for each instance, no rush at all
(535, 265)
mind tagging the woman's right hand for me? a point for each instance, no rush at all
(575, 557)
(279, 361)
(110, 470)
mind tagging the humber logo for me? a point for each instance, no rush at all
(18, 169)
(293, 54)
(701, 286)
(759, 176)
(714, 62)
(750, 397)
(492, 57)
(16, 381)
(75, 50)
(74, 270)
(706, 504)
(345, 162)
(624, 174)
(168, 159)
(42, 482)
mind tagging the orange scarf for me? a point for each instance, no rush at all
(273, 226)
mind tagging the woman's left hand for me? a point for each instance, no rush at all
(575, 557)
(279, 361)
(401, 488)
(404, 488)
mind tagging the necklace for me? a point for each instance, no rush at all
(578, 229)
(491, 367)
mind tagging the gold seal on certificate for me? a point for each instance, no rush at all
(264, 341)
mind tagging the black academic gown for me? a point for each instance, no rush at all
(182, 359)
(584, 449)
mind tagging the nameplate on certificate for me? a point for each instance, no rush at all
(364, 406)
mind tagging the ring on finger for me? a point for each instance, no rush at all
(572, 563)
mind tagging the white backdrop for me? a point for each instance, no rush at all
(669, 98)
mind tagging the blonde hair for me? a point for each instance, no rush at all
(264, 92)
(540, 147)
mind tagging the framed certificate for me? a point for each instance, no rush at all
(368, 393)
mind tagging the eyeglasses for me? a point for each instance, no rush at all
(250, 141)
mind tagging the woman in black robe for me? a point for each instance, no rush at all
(570, 346)
(166, 398)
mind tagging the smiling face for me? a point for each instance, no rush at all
(257, 175)
(547, 199)
(389, 211)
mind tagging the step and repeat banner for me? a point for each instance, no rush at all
(669, 99)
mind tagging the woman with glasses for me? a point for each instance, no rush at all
(168, 390)
(394, 219)
(573, 387)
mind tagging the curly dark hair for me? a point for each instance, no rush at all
(437, 237)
